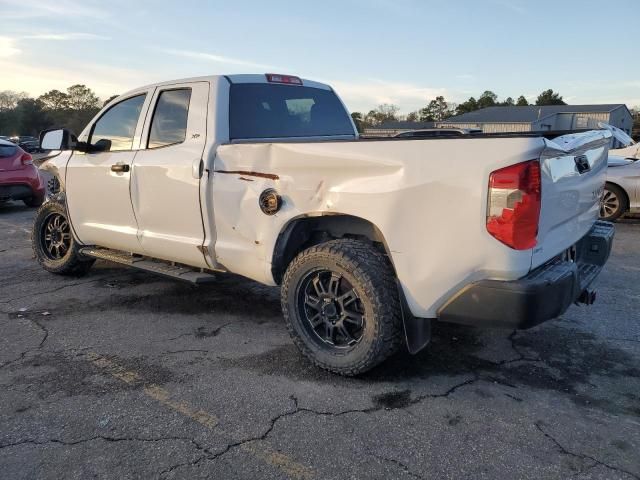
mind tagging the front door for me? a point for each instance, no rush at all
(97, 184)
(165, 184)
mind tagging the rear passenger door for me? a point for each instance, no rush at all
(165, 184)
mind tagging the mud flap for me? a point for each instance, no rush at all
(417, 331)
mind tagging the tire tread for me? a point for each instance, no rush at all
(377, 279)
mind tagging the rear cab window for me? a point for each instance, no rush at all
(265, 110)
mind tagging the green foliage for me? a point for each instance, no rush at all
(413, 117)
(355, 116)
(522, 102)
(487, 99)
(109, 99)
(31, 117)
(437, 110)
(381, 114)
(549, 97)
(82, 98)
(468, 106)
(55, 100)
(73, 109)
(9, 99)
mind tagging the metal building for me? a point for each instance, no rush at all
(542, 118)
(389, 129)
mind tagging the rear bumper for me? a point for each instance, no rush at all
(543, 294)
(21, 184)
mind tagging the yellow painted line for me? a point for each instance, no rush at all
(261, 451)
(153, 391)
(162, 396)
(279, 460)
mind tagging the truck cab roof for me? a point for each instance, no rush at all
(232, 79)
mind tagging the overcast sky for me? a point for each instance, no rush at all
(372, 51)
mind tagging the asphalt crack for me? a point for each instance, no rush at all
(405, 468)
(103, 438)
(583, 456)
(62, 287)
(241, 443)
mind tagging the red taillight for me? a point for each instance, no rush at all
(513, 209)
(26, 159)
(286, 79)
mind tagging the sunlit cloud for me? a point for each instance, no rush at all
(203, 56)
(16, 9)
(365, 95)
(8, 47)
(65, 36)
(102, 79)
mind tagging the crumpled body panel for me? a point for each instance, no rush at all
(427, 197)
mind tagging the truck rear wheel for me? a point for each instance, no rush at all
(341, 306)
(53, 243)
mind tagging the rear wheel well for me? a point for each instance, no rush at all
(305, 232)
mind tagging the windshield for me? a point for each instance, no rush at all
(263, 110)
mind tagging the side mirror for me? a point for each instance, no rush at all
(102, 145)
(58, 139)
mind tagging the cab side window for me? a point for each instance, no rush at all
(115, 129)
(169, 121)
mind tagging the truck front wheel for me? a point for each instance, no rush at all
(341, 306)
(53, 243)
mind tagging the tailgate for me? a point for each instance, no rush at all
(574, 170)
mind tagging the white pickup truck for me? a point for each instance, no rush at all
(265, 176)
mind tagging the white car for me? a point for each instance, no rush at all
(370, 240)
(630, 151)
(622, 190)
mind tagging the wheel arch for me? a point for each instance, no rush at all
(307, 230)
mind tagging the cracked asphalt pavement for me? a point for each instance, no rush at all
(121, 374)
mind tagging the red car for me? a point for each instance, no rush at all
(19, 177)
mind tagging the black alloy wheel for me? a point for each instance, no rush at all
(332, 308)
(56, 236)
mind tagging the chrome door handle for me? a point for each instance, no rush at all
(120, 168)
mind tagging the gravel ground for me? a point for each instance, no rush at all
(120, 374)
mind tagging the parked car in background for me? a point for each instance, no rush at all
(632, 151)
(438, 133)
(19, 177)
(622, 190)
(27, 143)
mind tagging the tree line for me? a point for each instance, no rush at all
(439, 109)
(21, 114)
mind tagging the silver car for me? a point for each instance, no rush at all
(622, 190)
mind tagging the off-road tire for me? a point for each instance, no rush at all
(72, 263)
(370, 274)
